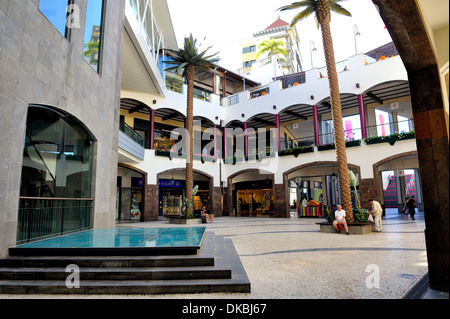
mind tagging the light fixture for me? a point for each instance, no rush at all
(356, 33)
(312, 48)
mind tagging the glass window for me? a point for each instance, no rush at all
(93, 33)
(56, 13)
(249, 49)
(57, 158)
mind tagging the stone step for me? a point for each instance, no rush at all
(216, 267)
(107, 261)
(125, 287)
(87, 274)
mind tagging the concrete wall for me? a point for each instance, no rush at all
(38, 65)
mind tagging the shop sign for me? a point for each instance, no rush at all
(169, 183)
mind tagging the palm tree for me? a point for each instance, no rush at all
(186, 62)
(273, 48)
(322, 10)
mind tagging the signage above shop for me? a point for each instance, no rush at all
(169, 183)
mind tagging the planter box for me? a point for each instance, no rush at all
(184, 221)
(325, 147)
(296, 151)
(353, 143)
(333, 146)
(391, 139)
(353, 228)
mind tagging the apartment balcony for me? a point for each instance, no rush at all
(131, 145)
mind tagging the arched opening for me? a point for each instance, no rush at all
(399, 177)
(313, 188)
(252, 193)
(172, 190)
(56, 193)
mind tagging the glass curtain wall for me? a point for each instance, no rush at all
(56, 182)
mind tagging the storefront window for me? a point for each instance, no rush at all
(93, 33)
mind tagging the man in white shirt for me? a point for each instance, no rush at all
(339, 222)
(377, 212)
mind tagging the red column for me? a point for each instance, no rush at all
(277, 124)
(316, 125)
(245, 139)
(362, 115)
(224, 147)
(215, 141)
(152, 130)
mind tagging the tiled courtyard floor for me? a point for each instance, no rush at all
(290, 258)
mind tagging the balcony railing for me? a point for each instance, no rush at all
(341, 66)
(125, 128)
(47, 217)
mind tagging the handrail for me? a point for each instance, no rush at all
(56, 198)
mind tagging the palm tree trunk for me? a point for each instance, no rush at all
(336, 112)
(189, 127)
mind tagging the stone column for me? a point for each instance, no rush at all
(280, 201)
(406, 27)
(151, 212)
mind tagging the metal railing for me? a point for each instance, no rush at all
(295, 143)
(341, 66)
(131, 133)
(390, 128)
(46, 217)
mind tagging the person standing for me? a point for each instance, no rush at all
(376, 211)
(406, 208)
(412, 207)
(339, 220)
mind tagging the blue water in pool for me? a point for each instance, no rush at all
(124, 237)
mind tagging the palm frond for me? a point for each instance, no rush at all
(295, 5)
(339, 9)
(190, 55)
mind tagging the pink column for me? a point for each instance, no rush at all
(215, 141)
(224, 147)
(362, 115)
(277, 124)
(316, 125)
(245, 139)
(152, 130)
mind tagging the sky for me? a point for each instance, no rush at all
(226, 21)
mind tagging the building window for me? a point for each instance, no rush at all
(56, 181)
(57, 13)
(249, 49)
(93, 33)
(248, 64)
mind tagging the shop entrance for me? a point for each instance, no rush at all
(253, 198)
(172, 190)
(398, 185)
(130, 202)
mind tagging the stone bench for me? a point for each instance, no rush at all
(353, 228)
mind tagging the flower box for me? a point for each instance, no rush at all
(296, 151)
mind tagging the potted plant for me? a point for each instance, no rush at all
(187, 211)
